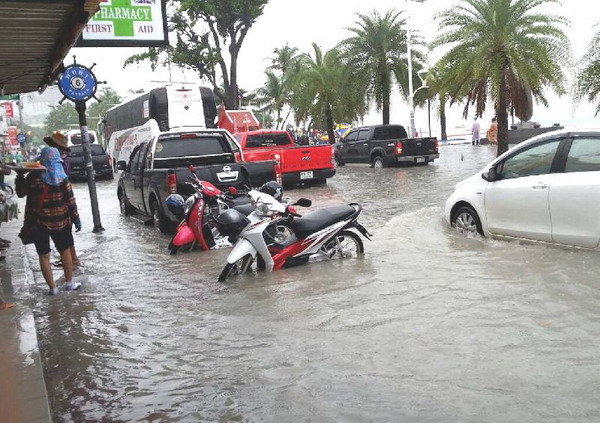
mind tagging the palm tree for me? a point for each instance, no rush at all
(501, 49)
(588, 77)
(273, 96)
(378, 53)
(284, 60)
(319, 87)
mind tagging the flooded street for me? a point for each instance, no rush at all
(429, 326)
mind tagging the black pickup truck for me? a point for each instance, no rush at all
(101, 161)
(159, 168)
(385, 145)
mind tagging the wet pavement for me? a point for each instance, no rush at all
(427, 326)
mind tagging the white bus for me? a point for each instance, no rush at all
(168, 107)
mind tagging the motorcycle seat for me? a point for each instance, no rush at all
(320, 219)
(237, 201)
(244, 209)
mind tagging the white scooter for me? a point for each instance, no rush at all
(276, 236)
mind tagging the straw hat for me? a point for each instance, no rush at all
(57, 140)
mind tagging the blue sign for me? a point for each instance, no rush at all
(77, 83)
(22, 138)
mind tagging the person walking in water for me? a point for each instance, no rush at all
(59, 141)
(50, 212)
(475, 132)
(492, 133)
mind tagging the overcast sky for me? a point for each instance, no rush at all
(300, 23)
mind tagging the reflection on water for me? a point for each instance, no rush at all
(428, 326)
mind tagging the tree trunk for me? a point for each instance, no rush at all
(232, 98)
(329, 118)
(386, 112)
(443, 117)
(286, 118)
(502, 116)
(278, 119)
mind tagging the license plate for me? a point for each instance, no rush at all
(306, 175)
(420, 159)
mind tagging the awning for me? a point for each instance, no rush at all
(35, 37)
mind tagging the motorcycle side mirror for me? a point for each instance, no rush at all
(491, 175)
(191, 167)
(303, 202)
(232, 190)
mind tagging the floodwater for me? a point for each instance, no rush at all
(429, 326)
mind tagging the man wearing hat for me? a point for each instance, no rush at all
(59, 141)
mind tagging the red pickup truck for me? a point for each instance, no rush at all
(298, 163)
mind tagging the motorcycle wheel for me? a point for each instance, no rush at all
(235, 269)
(345, 244)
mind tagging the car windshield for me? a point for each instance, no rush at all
(267, 140)
(76, 139)
(390, 132)
(77, 150)
(194, 146)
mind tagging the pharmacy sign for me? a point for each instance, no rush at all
(127, 23)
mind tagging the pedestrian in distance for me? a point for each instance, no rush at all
(475, 132)
(59, 141)
(492, 133)
(50, 212)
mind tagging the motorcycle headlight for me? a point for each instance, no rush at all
(189, 203)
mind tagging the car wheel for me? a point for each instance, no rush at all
(466, 221)
(158, 220)
(124, 206)
(377, 162)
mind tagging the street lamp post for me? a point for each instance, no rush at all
(411, 102)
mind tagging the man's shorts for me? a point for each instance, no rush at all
(63, 240)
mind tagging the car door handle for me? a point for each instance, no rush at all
(539, 186)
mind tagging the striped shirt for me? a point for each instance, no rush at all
(51, 206)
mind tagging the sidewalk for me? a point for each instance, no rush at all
(23, 396)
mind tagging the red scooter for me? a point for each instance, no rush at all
(197, 228)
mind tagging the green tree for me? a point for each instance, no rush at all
(61, 118)
(285, 60)
(108, 98)
(273, 96)
(503, 50)
(210, 34)
(320, 88)
(378, 53)
(588, 76)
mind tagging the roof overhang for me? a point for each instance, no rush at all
(35, 37)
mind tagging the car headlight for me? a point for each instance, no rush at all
(189, 203)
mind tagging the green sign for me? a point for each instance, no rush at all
(9, 97)
(127, 23)
(123, 14)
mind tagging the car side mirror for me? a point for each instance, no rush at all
(303, 202)
(491, 175)
(121, 165)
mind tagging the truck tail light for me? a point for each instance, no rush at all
(109, 161)
(172, 182)
(399, 148)
(277, 159)
(332, 156)
(437, 145)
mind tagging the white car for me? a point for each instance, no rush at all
(544, 189)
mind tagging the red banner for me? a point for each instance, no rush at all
(12, 135)
(10, 113)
